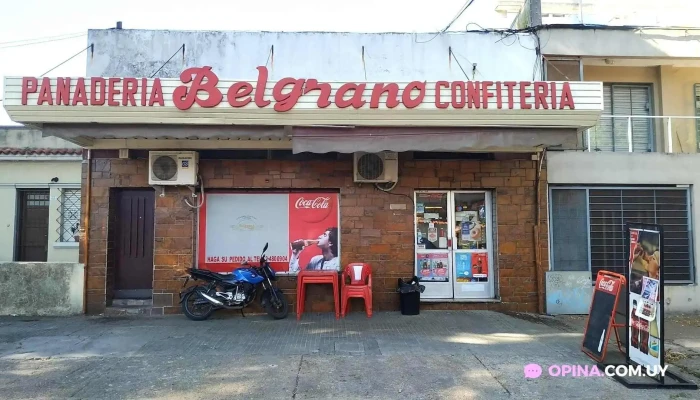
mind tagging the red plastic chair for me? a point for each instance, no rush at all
(360, 277)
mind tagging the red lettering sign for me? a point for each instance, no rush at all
(200, 87)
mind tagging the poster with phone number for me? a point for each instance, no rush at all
(301, 229)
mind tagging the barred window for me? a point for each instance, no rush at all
(599, 222)
(69, 215)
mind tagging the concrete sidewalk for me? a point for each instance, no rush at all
(436, 355)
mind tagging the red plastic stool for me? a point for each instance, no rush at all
(360, 276)
(308, 277)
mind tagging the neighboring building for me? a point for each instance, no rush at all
(618, 13)
(640, 162)
(40, 195)
(461, 207)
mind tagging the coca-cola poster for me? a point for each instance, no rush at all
(301, 229)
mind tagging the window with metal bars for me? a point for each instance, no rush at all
(68, 215)
(593, 218)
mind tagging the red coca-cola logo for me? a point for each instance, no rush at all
(318, 202)
(608, 286)
(315, 208)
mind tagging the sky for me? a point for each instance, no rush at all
(30, 21)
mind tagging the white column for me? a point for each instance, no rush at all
(588, 139)
(629, 133)
(670, 136)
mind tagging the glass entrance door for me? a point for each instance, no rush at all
(453, 244)
(433, 257)
(472, 247)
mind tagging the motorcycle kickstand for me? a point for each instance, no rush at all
(243, 315)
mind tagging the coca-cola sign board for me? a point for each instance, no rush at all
(601, 314)
(301, 229)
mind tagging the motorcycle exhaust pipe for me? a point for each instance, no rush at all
(211, 299)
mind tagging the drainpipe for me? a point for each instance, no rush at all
(86, 228)
(536, 231)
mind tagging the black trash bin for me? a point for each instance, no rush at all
(409, 295)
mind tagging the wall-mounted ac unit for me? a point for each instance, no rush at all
(376, 167)
(172, 168)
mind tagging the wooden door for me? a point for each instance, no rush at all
(33, 225)
(134, 236)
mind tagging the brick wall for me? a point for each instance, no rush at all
(370, 230)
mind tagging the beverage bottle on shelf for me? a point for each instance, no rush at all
(644, 336)
(634, 326)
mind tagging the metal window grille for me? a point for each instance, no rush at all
(608, 211)
(69, 215)
(696, 95)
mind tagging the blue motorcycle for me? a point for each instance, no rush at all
(233, 291)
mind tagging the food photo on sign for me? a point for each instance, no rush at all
(301, 229)
(645, 258)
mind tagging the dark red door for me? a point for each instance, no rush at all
(135, 209)
(33, 225)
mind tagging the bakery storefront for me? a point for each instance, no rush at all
(441, 180)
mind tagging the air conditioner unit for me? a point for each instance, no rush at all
(376, 167)
(172, 168)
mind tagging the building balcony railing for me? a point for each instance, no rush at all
(643, 134)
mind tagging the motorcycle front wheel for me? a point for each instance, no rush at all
(279, 311)
(196, 308)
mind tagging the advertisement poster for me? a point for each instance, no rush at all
(301, 229)
(432, 267)
(645, 312)
(463, 267)
(480, 266)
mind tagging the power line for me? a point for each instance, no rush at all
(171, 57)
(41, 38)
(72, 57)
(459, 14)
(43, 41)
(460, 65)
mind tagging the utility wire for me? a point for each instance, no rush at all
(459, 14)
(171, 57)
(460, 67)
(43, 41)
(72, 57)
(42, 38)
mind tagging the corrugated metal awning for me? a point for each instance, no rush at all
(106, 131)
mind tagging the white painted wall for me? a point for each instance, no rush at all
(36, 174)
(325, 56)
(637, 169)
(19, 137)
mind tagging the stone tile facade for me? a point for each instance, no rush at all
(371, 231)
